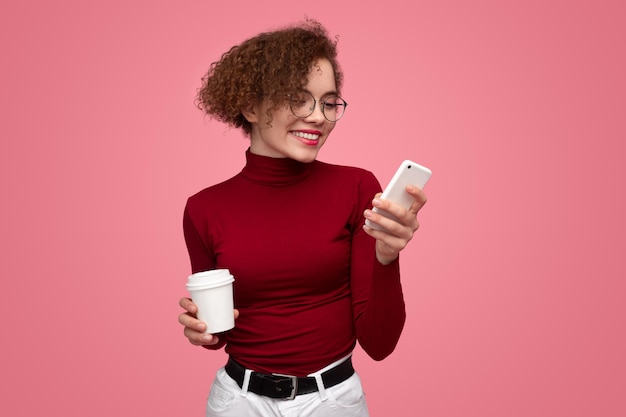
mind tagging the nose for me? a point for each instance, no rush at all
(317, 116)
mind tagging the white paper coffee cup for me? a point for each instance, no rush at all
(212, 292)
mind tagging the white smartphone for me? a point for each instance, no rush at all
(408, 173)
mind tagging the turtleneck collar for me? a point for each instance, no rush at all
(275, 171)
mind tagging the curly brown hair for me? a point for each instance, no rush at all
(268, 66)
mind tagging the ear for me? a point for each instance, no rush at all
(251, 113)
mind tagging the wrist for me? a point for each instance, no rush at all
(386, 259)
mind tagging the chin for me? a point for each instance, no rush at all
(306, 154)
(305, 157)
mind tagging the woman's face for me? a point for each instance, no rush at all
(289, 136)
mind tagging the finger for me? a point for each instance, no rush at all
(188, 305)
(192, 322)
(199, 338)
(387, 243)
(402, 225)
(418, 196)
(394, 234)
(377, 221)
(406, 216)
(395, 210)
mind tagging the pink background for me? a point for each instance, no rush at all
(514, 284)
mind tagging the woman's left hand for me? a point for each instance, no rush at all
(396, 234)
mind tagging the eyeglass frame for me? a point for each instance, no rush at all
(322, 102)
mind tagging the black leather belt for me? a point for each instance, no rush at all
(288, 386)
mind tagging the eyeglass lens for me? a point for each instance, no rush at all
(303, 105)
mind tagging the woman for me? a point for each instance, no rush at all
(310, 278)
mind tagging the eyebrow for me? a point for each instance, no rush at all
(328, 93)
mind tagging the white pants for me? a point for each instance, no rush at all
(346, 399)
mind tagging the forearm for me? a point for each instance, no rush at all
(381, 318)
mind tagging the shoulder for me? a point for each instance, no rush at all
(344, 170)
(213, 192)
(351, 174)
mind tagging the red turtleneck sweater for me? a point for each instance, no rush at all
(307, 282)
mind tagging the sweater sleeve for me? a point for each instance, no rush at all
(200, 254)
(377, 298)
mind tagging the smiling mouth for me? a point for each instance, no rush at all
(307, 136)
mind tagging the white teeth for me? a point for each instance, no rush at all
(308, 136)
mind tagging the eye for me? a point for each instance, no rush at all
(299, 101)
(333, 103)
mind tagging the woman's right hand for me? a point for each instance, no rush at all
(194, 328)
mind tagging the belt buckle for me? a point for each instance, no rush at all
(294, 385)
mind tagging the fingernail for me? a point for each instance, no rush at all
(376, 202)
(367, 213)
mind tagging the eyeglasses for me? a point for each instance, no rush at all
(303, 104)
